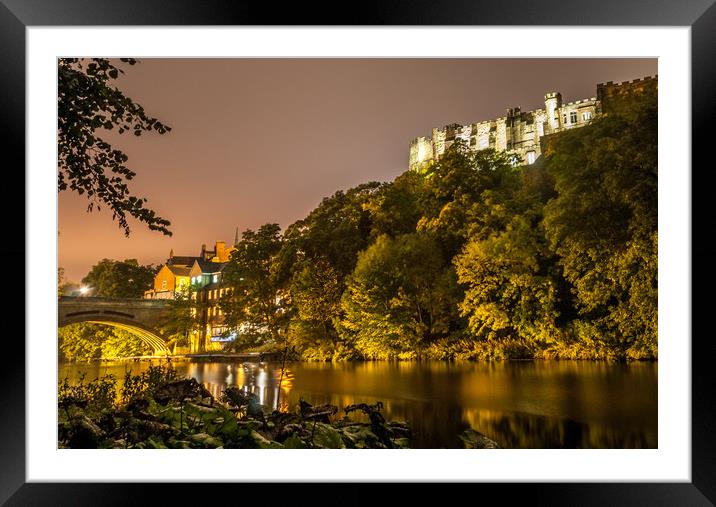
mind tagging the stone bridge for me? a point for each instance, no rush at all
(143, 317)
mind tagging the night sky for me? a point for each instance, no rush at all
(264, 140)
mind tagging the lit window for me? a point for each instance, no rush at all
(530, 157)
(216, 278)
(587, 116)
(573, 117)
(164, 285)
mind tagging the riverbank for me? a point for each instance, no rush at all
(158, 410)
(518, 404)
(211, 357)
(255, 357)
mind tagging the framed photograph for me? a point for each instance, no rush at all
(351, 253)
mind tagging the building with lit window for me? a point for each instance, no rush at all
(521, 132)
(174, 276)
(202, 276)
(180, 272)
(211, 316)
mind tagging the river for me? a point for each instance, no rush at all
(523, 404)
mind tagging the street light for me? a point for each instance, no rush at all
(84, 290)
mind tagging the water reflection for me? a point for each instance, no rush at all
(518, 404)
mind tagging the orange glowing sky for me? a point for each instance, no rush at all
(264, 140)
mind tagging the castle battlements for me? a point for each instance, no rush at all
(519, 132)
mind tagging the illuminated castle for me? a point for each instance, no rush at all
(520, 132)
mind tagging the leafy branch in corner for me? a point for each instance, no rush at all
(87, 164)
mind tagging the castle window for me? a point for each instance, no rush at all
(565, 118)
(531, 157)
(587, 116)
(573, 117)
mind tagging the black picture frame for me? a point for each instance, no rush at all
(699, 15)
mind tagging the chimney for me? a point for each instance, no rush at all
(220, 251)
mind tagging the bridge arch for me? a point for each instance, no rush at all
(141, 318)
(146, 335)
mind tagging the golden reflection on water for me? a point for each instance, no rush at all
(518, 404)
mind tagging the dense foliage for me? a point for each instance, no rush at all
(473, 257)
(119, 279)
(259, 301)
(85, 341)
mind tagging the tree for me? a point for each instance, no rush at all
(182, 318)
(400, 297)
(259, 300)
(468, 195)
(120, 279)
(318, 253)
(87, 102)
(396, 207)
(510, 293)
(316, 293)
(512, 287)
(336, 230)
(603, 223)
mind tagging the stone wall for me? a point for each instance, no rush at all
(519, 132)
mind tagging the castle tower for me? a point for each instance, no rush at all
(552, 103)
(421, 150)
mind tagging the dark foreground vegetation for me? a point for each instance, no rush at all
(158, 410)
